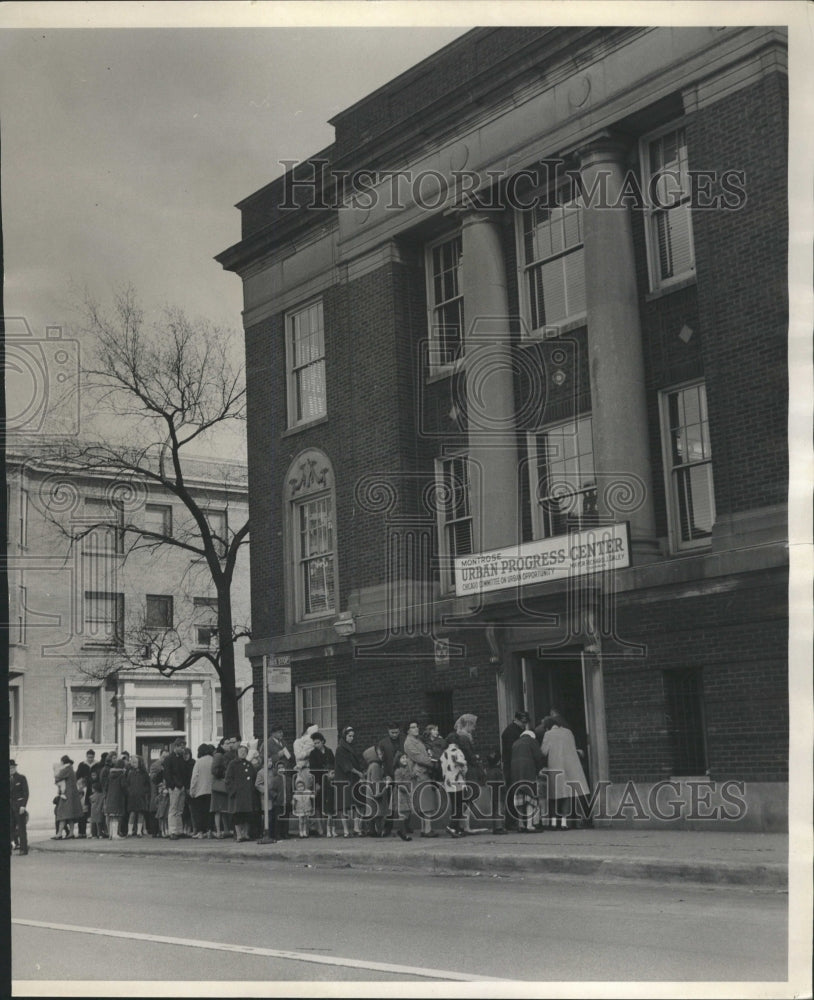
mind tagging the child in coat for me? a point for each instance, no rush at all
(302, 806)
(97, 810)
(162, 810)
(402, 789)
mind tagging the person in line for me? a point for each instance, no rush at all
(349, 768)
(454, 768)
(162, 809)
(465, 727)
(321, 764)
(18, 802)
(200, 790)
(138, 788)
(421, 767)
(69, 808)
(401, 796)
(508, 738)
(527, 763)
(303, 746)
(156, 780)
(566, 777)
(186, 816)
(302, 806)
(376, 789)
(124, 760)
(175, 780)
(391, 746)
(84, 781)
(97, 810)
(240, 778)
(223, 756)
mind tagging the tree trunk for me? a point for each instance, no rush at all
(226, 672)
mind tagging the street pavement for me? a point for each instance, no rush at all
(714, 857)
(91, 915)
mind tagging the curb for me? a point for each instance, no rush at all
(598, 867)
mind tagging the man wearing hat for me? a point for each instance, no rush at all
(18, 789)
(509, 736)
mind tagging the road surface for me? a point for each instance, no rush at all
(108, 917)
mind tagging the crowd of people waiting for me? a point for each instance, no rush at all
(536, 780)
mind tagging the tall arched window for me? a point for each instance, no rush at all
(311, 542)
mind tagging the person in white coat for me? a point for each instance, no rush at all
(565, 774)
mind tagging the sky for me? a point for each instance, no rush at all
(126, 149)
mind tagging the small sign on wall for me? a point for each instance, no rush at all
(279, 680)
(441, 649)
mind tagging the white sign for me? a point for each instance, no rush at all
(600, 548)
(279, 659)
(279, 680)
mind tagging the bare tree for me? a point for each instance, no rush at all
(168, 387)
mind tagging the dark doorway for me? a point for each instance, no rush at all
(556, 683)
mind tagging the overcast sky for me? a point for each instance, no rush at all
(125, 150)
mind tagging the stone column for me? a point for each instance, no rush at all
(618, 403)
(490, 400)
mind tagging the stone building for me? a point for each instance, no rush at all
(74, 607)
(517, 396)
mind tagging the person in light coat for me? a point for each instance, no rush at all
(565, 774)
(200, 790)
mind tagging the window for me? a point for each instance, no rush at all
(206, 621)
(669, 221)
(563, 486)
(158, 519)
(315, 556)
(104, 618)
(310, 571)
(13, 714)
(83, 715)
(23, 519)
(684, 705)
(306, 364)
(688, 461)
(316, 704)
(219, 527)
(455, 514)
(445, 301)
(21, 615)
(553, 263)
(105, 523)
(158, 611)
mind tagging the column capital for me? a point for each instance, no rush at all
(470, 213)
(605, 146)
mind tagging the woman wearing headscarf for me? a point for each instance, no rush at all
(200, 791)
(349, 769)
(219, 800)
(69, 808)
(240, 776)
(113, 790)
(566, 777)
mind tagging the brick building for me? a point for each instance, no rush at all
(517, 390)
(73, 608)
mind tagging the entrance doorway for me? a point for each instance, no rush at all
(557, 683)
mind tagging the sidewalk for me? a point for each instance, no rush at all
(755, 860)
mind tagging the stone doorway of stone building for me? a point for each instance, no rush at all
(557, 683)
(151, 748)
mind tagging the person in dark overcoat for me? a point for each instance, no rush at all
(18, 800)
(508, 738)
(113, 791)
(84, 780)
(69, 807)
(240, 778)
(527, 762)
(138, 788)
(349, 770)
